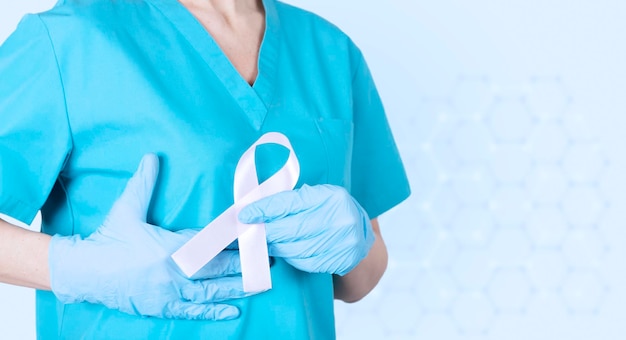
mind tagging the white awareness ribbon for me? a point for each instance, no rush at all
(226, 228)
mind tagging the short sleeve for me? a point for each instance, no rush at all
(34, 133)
(378, 178)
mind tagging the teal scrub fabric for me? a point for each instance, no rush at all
(88, 87)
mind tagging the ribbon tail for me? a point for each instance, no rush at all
(255, 263)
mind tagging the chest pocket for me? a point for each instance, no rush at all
(337, 137)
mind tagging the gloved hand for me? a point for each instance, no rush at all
(125, 264)
(317, 229)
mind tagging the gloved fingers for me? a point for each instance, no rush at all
(193, 311)
(213, 290)
(307, 256)
(135, 199)
(345, 261)
(274, 207)
(302, 227)
(226, 263)
(297, 249)
(330, 262)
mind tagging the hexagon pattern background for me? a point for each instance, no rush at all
(510, 118)
(509, 238)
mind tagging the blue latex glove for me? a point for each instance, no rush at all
(317, 229)
(126, 264)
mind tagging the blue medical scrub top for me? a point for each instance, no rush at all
(88, 87)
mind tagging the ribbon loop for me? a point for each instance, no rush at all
(226, 228)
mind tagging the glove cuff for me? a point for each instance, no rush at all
(62, 261)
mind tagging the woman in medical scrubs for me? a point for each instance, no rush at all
(90, 88)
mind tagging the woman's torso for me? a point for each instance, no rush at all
(144, 76)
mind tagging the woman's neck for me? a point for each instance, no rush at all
(226, 8)
(237, 26)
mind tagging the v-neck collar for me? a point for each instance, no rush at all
(254, 100)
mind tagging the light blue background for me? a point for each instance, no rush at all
(510, 116)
